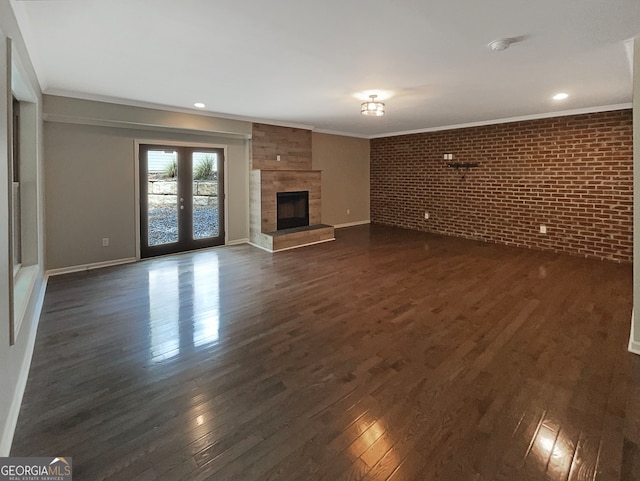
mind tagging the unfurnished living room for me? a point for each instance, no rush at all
(286, 241)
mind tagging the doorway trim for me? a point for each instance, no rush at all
(173, 143)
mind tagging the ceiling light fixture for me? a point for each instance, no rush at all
(500, 44)
(199, 105)
(371, 107)
(560, 96)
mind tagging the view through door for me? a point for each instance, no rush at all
(181, 199)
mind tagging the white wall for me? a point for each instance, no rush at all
(15, 359)
(634, 342)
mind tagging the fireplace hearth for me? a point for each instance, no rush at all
(292, 209)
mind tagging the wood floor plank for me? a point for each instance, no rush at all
(385, 355)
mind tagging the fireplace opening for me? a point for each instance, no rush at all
(293, 209)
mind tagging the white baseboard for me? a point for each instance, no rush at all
(634, 346)
(260, 247)
(238, 242)
(87, 267)
(289, 248)
(304, 245)
(16, 402)
(351, 224)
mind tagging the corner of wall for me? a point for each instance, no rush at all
(634, 346)
(634, 341)
(18, 78)
(29, 329)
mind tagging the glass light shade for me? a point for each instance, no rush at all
(372, 107)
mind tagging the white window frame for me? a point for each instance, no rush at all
(25, 274)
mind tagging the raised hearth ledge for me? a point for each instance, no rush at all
(286, 239)
(263, 188)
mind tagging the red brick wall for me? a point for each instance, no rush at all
(572, 174)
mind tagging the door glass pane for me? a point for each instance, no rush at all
(205, 195)
(162, 196)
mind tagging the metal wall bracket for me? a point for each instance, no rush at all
(462, 165)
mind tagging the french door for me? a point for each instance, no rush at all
(181, 199)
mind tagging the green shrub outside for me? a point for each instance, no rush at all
(171, 170)
(205, 169)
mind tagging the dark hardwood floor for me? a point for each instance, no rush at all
(385, 355)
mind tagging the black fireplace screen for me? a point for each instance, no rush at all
(293, 209)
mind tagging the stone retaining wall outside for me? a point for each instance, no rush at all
(164, 192)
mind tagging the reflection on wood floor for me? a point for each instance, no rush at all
(385, 355)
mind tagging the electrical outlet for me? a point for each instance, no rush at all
(543, 229)
(105, 242)
(426, 215)
(348, 211)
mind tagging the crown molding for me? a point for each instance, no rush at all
(546, 115)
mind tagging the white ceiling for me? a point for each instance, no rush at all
(304, 62)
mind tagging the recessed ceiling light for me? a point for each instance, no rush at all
(500, 44)
(560, 96)
(199, 105)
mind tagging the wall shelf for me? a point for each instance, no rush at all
(462, 165)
